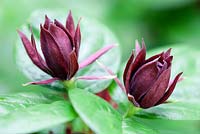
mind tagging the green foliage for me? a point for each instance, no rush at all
(31, 112)
(101, 117)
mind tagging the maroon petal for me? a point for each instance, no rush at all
(77, 39)
(58, 24)
(169, 61)
(70, 24)
(47, 22)
(52, 54)
(167, 53)
(153, 57)
(157, 90)
(32, 52)
(73, 64)
(139, 60)
(95, 56)
(143, 79)
(44, 82)
(61, 39)
(170, 90)
(137, 47)
(42, 62)
(127, 68)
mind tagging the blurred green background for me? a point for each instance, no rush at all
(159, 22)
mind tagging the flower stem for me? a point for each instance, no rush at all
(69, 84)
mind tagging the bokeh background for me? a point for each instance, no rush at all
(159, 22)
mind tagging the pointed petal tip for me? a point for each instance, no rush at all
(20, 33)
(143, 44)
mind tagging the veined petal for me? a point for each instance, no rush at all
(153, 57)
(157, 90)
(32, 52)
(95, 56)
(61, 39)
(60, 25)
(70, 23)
(52, 54)
(137, 47)
(77, 39)
(143, 79)
(138, 61)
(44, 82)
(169, 61)
(43, 65)
(130, 60)
(47, 22)
(73, 64)
(170, 90)
(167, 53)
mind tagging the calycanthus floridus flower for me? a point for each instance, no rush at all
(147, 81)
(60, 47)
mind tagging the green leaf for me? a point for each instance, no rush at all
(132, 126)
(101, 117)
(174, 111)
(32, 112)
(163, 126)
(95, 112)
(94, 36)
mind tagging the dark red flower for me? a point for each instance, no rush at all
(60, 46)
(147, 81)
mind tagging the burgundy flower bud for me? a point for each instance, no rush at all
(147, 81)
(60, 47)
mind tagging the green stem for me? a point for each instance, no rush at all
(69, 84)
(131, 110)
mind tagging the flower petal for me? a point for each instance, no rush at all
(157, 90)
(62, 40)
(52, 54)
(95, 56)
(58, 24)
(167, 53)
(153, 57)
(73, 64)
(77, 39)
(32, 52)
(47, 22)
(143, 79)
(138, 61)
(70, 24)
(130, 60)
(137, 47)
(44, 82)
(170, 90)
(169, 61)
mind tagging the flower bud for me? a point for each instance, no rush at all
(147, 81)
(60, 47)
